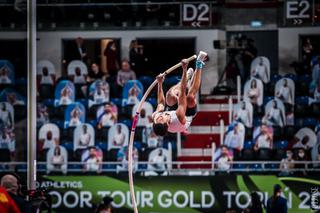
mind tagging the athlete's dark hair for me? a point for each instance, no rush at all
(160, 129)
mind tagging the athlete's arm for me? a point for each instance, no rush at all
(161, 99)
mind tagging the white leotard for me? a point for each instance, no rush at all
(175, 125)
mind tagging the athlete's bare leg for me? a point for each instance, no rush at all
(173, 93)
(196, 81)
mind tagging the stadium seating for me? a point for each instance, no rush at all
(282, 136)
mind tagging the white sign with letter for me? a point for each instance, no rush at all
(196, 15)
(298, 9)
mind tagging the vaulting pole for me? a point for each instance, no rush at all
(32, 94)
(134, 124)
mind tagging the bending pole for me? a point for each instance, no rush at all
(133, 128)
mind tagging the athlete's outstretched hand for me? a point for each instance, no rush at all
(160, 78)
(184, 63)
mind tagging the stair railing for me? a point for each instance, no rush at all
(221, 131)
(238, 89)
(213, 151)
(230, 105)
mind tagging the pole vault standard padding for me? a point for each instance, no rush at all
(133, 128)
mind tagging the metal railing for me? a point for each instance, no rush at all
(175, 167)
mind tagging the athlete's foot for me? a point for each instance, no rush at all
(202, 56)
(200, 59)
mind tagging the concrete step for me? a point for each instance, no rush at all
(196, 152)
(198, 162)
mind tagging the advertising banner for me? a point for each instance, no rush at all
(179, 193)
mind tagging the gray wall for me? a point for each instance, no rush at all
(289, 45)
(266, 42)
(244, 16)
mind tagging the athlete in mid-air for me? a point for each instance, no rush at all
(180, 99)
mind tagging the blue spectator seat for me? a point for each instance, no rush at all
(247, 154)
(21, 86)
(93, 112)
(264, 154)
(22, 168)
(238, 166)
(139, 133)
(172, 142)
(102, 134)
(78, 91)
(117, 102)
(248, 135)
(41, 168)
(103, 145)
(46, 91)
(21, 81)
(77, 154)
(93, 122)
(126, 122)
(138, 145)
(277, 133)
(74, 167)
(111, 155)
(275, 77)
(269, 88)
(146, 80)
(279, 154)
(107, 167)
(127, 111)
(4, 155)
(144, 156)
(315, 108)
(83, 101)
(48, 102)
(271, 166)
(267, 99)
(153, 102)
(303, 100)
(301, 106)
(20, 112)
(248, 145)
(289, 132)
(170, 136)
(256, 121)
(298, 121)
(302, 86)
(280, 144)
(68, 145)
(310, 122)
(255, 166)
(69, 133)
(305, 77)
(58, 122)
(291, 76)
(143, 166)
(59, 112)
